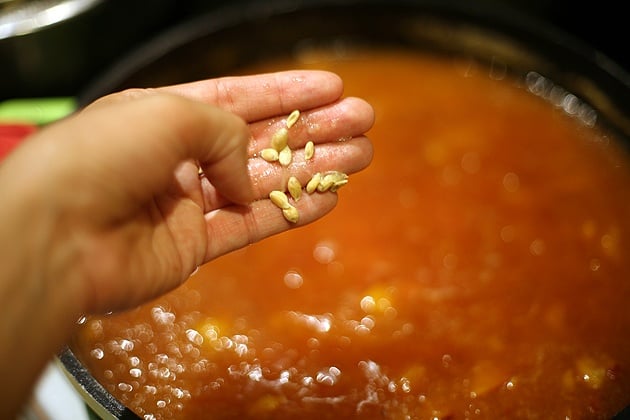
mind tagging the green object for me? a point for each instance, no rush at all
(37, 111)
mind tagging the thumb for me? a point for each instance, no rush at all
(155, 133)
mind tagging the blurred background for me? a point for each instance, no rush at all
(58, 47)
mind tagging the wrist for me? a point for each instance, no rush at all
(40, 298)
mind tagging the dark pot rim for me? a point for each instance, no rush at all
(581, 63)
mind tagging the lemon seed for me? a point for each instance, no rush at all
(332, 180)
(338, 184)
(279, 199)
(293, 117)
(325, 184)
(309, 150)
(295, 188)
(291, 214)
(284, 157)
(335, 176)
(311, 186)
(280, 139)
(269, 154)
(339, 179)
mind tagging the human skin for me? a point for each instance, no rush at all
(106, 209)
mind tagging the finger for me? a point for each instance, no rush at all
(252, 97)
(346, 118)
(266, 95)
(118, 97)
(235, 227)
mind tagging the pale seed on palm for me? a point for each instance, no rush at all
(269, 154)
(325, 184)
(280, 139)
(291, 214)
(280, 199)
(285, 156)
(338, 184)
(309, 150)
(293, 117)
(295, 188)
(311, 185)
(332, 180)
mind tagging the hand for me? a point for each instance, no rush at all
(117, 213)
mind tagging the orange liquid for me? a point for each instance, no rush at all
(476, 269)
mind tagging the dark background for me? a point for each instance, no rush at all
(61, 60)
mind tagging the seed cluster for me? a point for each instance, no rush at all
(281, 152)
(332, 180)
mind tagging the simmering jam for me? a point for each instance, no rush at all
(477, 269)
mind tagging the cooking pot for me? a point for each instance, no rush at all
(223, 41)
(53, 47)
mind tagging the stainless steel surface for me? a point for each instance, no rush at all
(54, 398)
(54, 47)
(26, 17)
